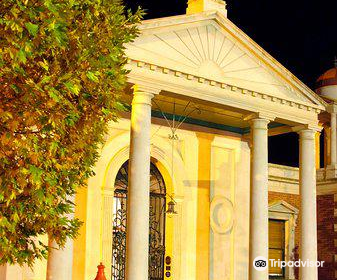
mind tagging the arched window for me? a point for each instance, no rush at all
(156, 225)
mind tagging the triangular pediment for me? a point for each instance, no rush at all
(210, 46)
(281, 206)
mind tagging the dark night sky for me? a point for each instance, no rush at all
(300, 34)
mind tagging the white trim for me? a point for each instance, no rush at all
(151, 26)
(281, 210)
(202, 80)
(161, 153)
(230, 96)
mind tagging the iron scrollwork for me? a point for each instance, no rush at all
(156, 225)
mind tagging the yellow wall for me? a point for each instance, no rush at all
(203, 215)
(195, 255)
(169, 222)
(80, 242)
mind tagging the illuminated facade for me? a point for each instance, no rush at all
(205, 98)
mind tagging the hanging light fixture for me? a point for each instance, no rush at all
(174, 126)
(171, 207)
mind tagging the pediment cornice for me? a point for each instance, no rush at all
(220, 25)
(206, 57)
(305, 106)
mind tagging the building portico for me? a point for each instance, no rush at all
(204, 98)
(203, 57)
(294, 105)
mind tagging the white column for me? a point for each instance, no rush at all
(11, 272)
(137, 243)
(333, 140)
(60, 261)
(308, 246)
(259, 197)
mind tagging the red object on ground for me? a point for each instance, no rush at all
(100, 273)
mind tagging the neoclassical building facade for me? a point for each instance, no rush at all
(183, 189)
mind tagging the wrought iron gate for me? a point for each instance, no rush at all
(156, 226)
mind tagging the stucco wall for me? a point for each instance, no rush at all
(225, 157)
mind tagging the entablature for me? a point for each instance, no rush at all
(290, 111)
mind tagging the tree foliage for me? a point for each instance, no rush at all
(61, 76)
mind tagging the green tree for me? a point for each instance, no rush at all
(61, 77)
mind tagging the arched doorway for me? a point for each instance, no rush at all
(156, 225)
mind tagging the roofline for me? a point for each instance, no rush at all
(245, 39)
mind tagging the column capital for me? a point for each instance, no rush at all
(307, 134)
(145, 88)
(313, 127)
(332, 108)
(259, 123)
(143, 94)
(264, 116)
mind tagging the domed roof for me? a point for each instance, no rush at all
(329, 78)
